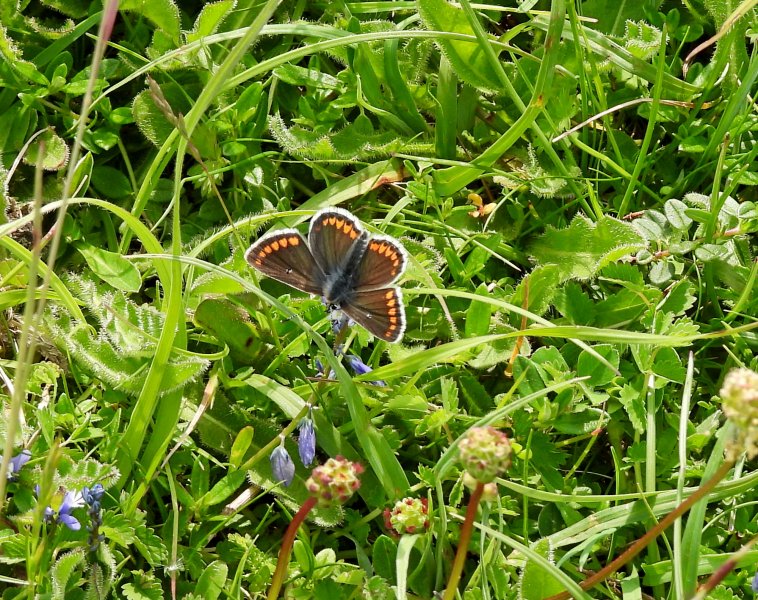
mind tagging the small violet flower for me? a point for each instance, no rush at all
(281, 464)
(306, 442)
(17, 462)
(320, 370)
(70, 502)
(92, 496)
(361, 368)
(755, 583)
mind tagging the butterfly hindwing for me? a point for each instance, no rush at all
(332, 238)
(284, 255)
(380, 311)
(382, 263)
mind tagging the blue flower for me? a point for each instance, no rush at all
(92, 496)
(17, 462)
(755, 583)
(281, 465)
(306, 441)
(361, 368)
(71, 501)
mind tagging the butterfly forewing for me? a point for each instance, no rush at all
(331, 237)
(382, 263)
(380, 311)
(284, 256)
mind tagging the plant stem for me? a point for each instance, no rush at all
(286, 548)
(463, 542)
(641, 543)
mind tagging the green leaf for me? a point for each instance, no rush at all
(111, 182)
(661, 272)
(467, 58)
(598, 372)
(287, 400)
(65, 567)
(55, 150)
(145, 587)
(163, 13)
(111, 267)
(540, 287)
(634, 405)
(676, 213)
(82, 175)
(211, 582)
(575, 304)
(383, 557)
(240, 446)
(584, 248)
(680, 298)
(536, 581)
(478, 315)
(120, 354)
(210, 18)
(222, 489)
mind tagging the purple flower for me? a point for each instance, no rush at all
(92, 496)
(71, 501)
(755, 583)
(361, 368)
(357, 365)
(306, 442)
(282, 465)
(320, 370)
(17, 462)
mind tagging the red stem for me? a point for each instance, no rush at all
(651, 534)
(463, 542)
(284, 552)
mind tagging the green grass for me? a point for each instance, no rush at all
(584, 293)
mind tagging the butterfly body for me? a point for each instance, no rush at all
(340, 262)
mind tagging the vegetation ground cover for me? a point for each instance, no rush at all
(574, 186)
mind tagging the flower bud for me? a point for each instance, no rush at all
(334, 481)
(408, 516)
(485, 453)
(281, 465)
(739, 394)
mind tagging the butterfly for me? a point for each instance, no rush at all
(349, 269)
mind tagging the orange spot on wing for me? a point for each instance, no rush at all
(393, 320)
(294, 241)
(275, 245)
(339, 223)
(392, 311)
(268, 249)
(391, 302)
(389, 295)
(261, 254)
(353, 234)
(283, 242)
